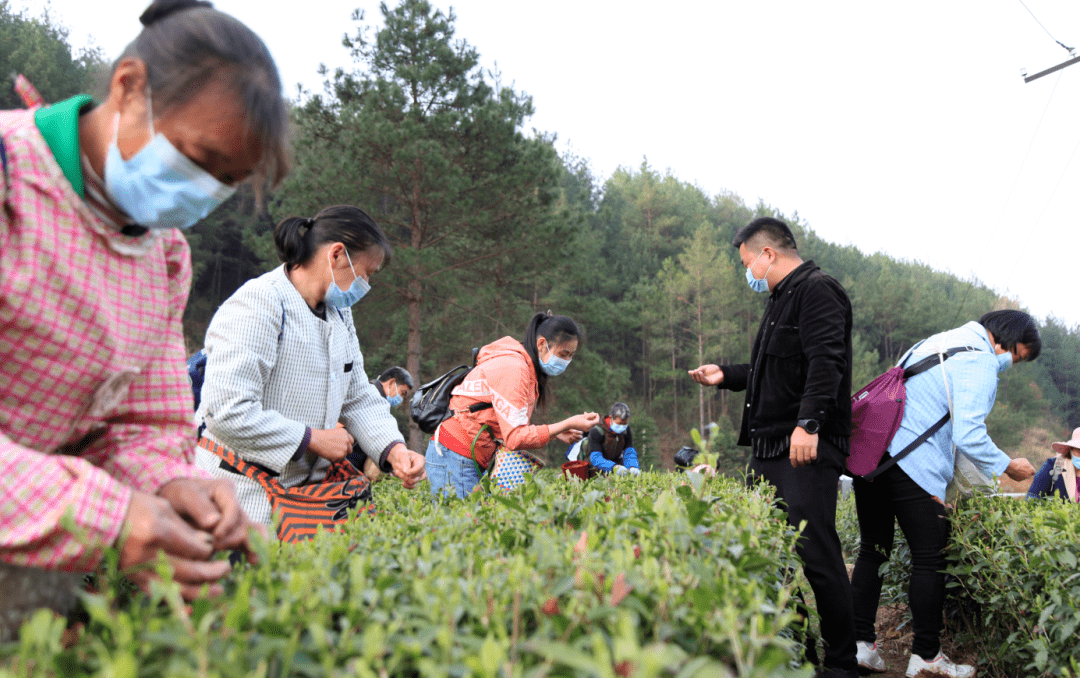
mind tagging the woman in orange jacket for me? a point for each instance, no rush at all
(512, 376)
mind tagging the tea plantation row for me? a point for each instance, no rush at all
(662, 575)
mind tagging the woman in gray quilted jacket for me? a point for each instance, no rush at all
(284, 367)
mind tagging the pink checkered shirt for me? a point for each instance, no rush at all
(94, 398)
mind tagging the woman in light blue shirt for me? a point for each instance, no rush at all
(912, 490)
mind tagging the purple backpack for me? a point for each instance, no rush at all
(876, 412)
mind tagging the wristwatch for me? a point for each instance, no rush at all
(811, 426)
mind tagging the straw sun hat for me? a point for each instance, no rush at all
(1074, 443)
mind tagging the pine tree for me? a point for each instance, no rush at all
(432, 146)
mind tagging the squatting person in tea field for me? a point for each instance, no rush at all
(797, 418)
(912, 490)
(96, 439)
(512, 376)
(285, 336)
(611, 443)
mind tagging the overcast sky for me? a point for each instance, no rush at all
(903, 128)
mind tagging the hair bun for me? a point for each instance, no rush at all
(159, 9)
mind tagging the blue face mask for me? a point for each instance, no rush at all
(1005, 360)
(160, 187)
(755, 284)
(554, 365)
(339, 298)
(618, 428)
(1076, 462)
(395, 400)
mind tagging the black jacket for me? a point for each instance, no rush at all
(800, 363)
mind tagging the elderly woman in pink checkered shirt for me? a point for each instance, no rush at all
(96, 434)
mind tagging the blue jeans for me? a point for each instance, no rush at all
(449, 472)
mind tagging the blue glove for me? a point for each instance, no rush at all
(634, 471)
(620, 470)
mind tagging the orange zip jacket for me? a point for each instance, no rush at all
(505, 377)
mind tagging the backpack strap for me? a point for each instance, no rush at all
(908, 450)
(479, 469)
(916, 369)
(931, 360)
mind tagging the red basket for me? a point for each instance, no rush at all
(580, 469)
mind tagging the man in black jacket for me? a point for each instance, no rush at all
(797, 418)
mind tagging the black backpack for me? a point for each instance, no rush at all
(431, 402)
(684, 458)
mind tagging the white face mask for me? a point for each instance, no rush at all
(160, 187)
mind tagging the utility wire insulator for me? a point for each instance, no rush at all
(1052, 69)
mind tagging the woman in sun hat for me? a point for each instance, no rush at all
(1058, 475)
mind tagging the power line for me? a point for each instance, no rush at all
(1008, 197)
(1031, 232)
(1064, 46)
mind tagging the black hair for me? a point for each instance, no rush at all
(1013, 327)
(619, 411)
(297, 238)
(556, 329)
(773, 232)
(187, 44)
(399, 373)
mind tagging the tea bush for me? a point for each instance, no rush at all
(1018, 560)
(659, 575)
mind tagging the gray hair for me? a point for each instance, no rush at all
(619, 411)
(187, 44)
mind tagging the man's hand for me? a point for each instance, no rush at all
(803, 447)
(332, 444)
(570, 437)
(708, 375)
(407, 465)
(1020, 469)
(152, 526)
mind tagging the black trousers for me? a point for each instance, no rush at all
(893, 497)
(809, 493)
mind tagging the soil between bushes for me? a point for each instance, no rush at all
(894, 642)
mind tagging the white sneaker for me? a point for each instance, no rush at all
(868, 657)
(940, 666)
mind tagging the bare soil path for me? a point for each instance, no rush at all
(894, 642)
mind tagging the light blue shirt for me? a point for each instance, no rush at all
(973, 379)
